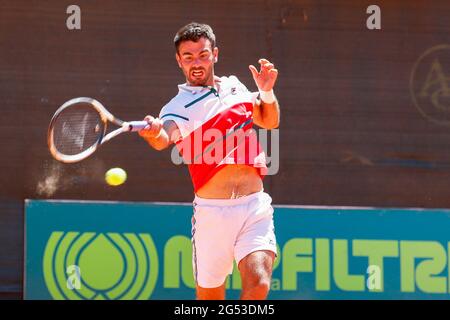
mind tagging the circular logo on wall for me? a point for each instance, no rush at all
(430, 84)
(100, 266)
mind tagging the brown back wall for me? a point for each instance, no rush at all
(365, 114)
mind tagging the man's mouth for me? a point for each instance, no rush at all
(197, 73)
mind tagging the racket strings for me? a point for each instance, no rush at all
(77, 128)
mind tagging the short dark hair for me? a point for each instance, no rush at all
(193, 32)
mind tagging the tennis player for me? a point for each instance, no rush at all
(233, 216)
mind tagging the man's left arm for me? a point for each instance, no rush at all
(266, 111)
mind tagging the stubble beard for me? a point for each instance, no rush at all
(193, 81)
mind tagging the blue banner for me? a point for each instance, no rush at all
(121, 250)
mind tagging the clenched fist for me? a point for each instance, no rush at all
(153, 129)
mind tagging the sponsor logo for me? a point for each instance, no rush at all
(430, 84)
(100, 266)
(125, 266)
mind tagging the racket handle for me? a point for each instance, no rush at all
(137, 125)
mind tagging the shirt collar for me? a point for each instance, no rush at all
(199, 89)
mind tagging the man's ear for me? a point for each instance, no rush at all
(177, 57)
(216, 54)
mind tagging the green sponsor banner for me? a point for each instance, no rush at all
(119, 250)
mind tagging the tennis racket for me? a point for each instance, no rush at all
(79, 127)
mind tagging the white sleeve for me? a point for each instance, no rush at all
(171, 112)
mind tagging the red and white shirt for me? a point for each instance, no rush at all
(216, 125)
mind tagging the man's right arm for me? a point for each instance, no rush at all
(160, 135)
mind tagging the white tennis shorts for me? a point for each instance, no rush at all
(227, 229)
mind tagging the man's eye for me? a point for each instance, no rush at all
(188, 59)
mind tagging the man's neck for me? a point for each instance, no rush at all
(210, 83)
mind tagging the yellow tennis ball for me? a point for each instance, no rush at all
(115, 176)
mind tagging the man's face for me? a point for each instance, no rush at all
(197, 59)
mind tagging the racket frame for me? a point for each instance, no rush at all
(105, 117)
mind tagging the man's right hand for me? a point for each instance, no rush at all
(153, 129)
